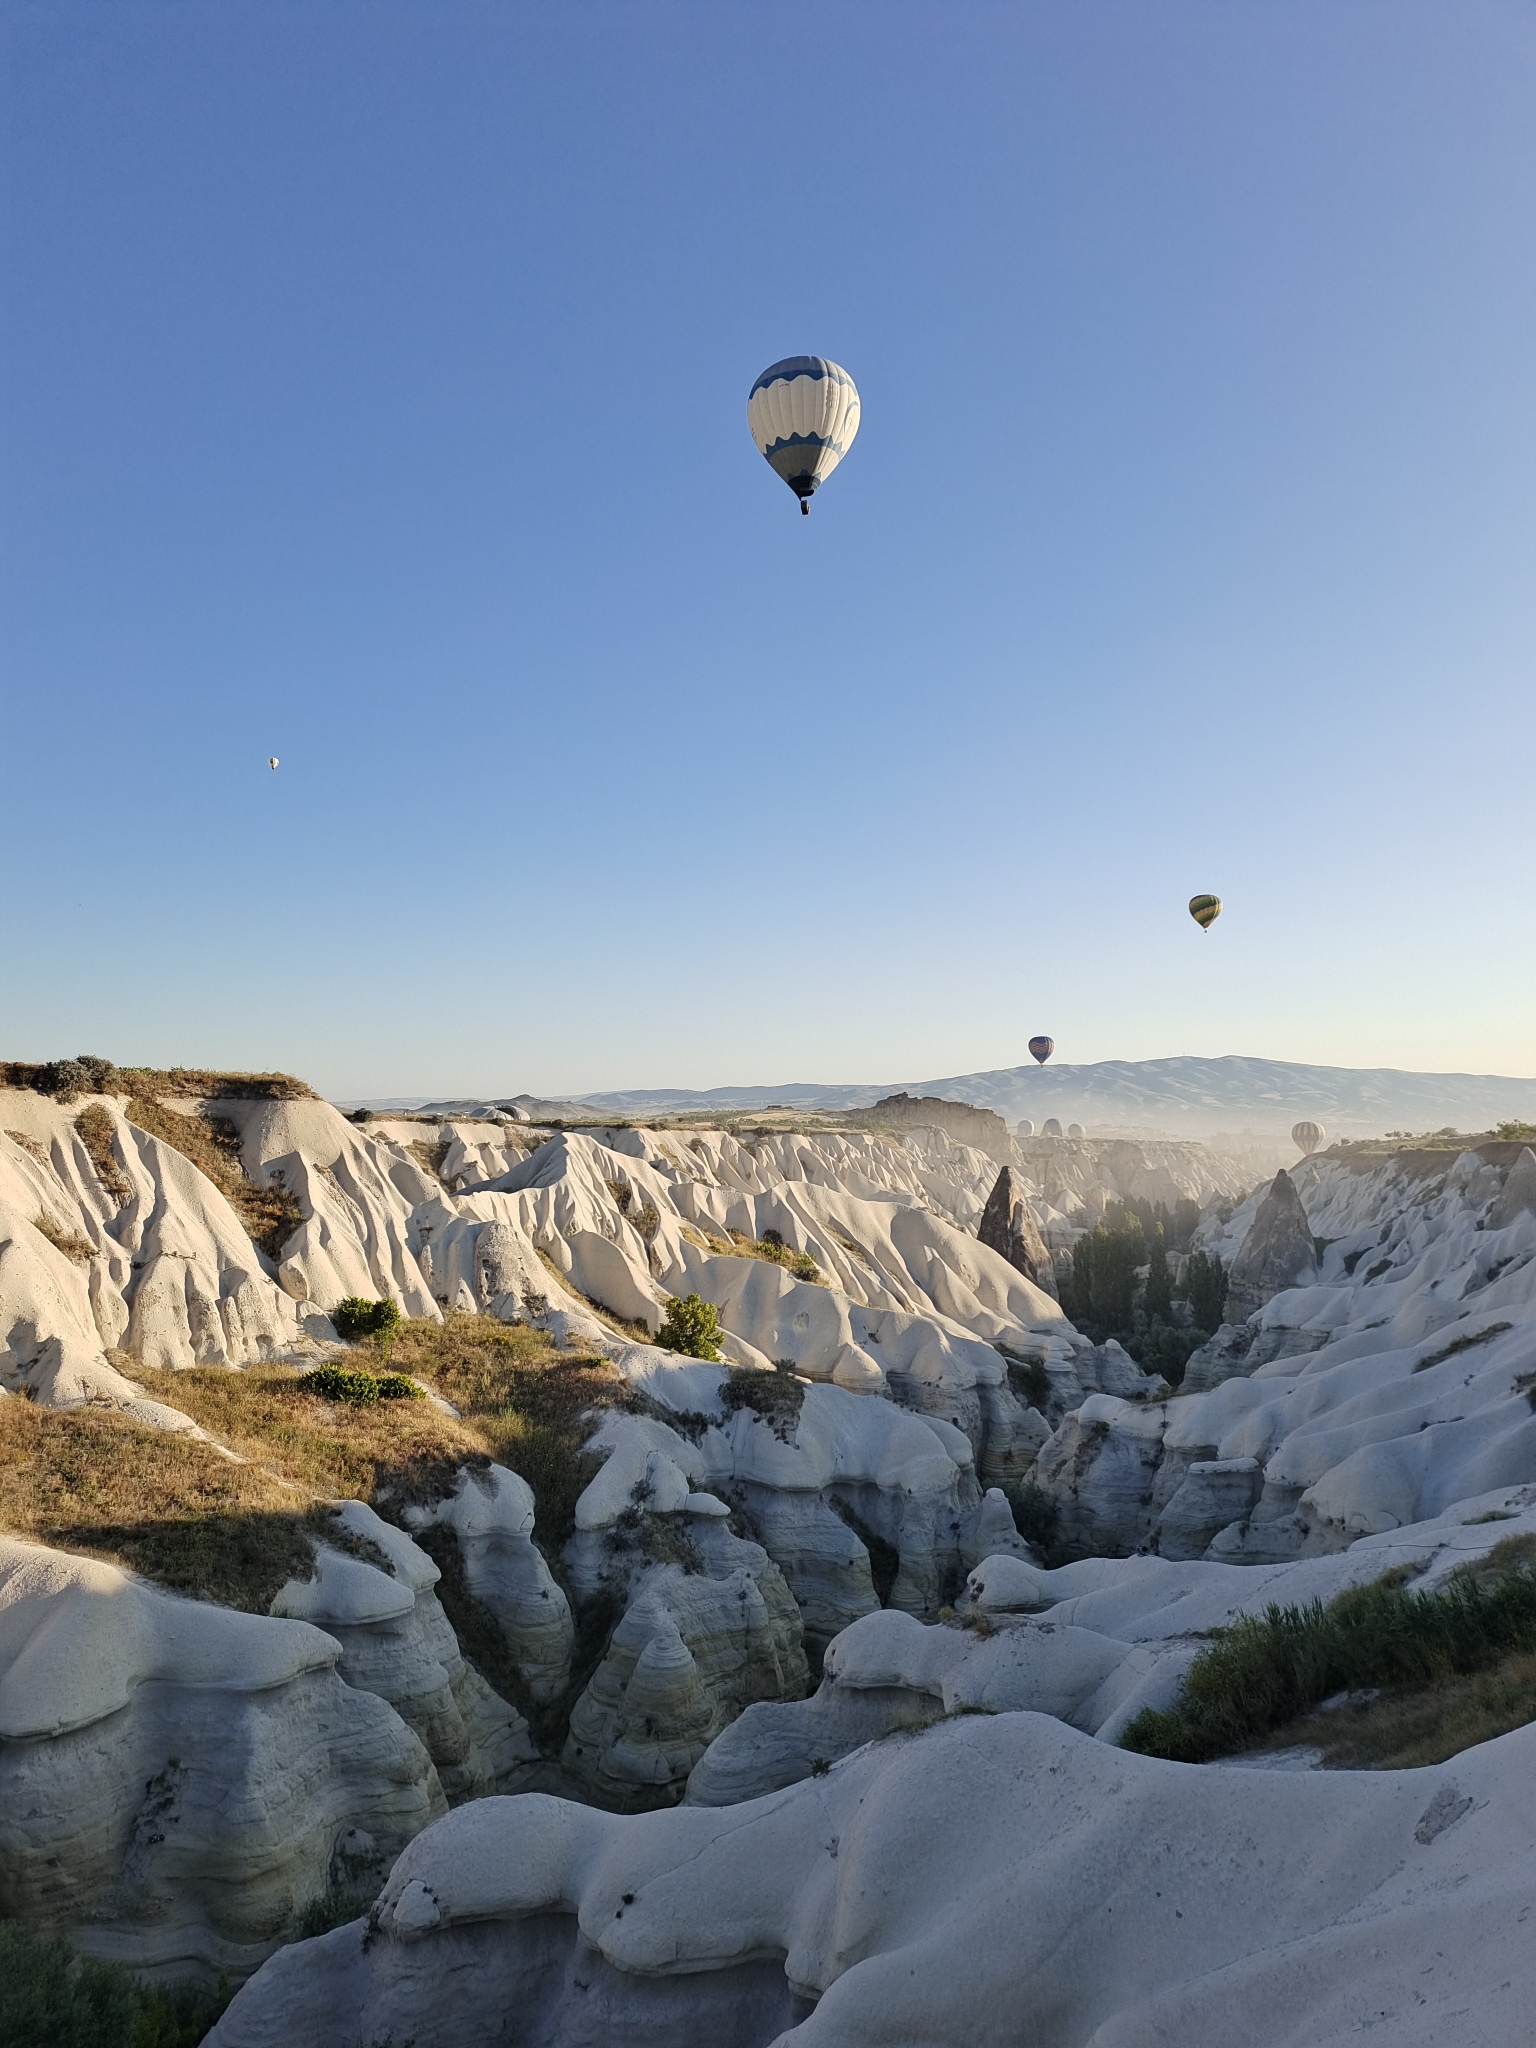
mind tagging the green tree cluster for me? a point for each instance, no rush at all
(1121, 1286)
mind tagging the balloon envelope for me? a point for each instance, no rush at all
(1026, 1127)
(1205, 910)
(1051, 1128)
(803, 413)
(1307, 1135)
(1074, 1130)
(272, 760)
(1041, 1049)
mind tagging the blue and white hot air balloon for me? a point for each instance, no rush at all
(804, 413)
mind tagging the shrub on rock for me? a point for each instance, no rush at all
(691, 1326)
(359, 1317)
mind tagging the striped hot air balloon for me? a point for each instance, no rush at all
(1041, 1049)
(804, 413)
(1205, 910)
(1307, 1135)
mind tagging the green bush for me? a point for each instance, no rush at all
(52, 1998)
(692, 1327)
(362, 1389)
(1264, 1671)
(359, 1317)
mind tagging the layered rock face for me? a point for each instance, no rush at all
(983, 1128)
(396, 1641)
(177, 1781)
(1277, 1253)
(1008, 1226)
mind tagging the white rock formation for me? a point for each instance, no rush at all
(178, 1781)
(1379, 1395)
(491, 1517)
(1089, 1643)
(994, 1879)
(164, 1269)
(396, 1641)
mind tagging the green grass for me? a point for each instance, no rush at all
(52, 1998)
(1268, 1673)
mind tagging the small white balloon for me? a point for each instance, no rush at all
(272, 760)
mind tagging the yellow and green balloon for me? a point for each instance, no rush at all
(1205, 910)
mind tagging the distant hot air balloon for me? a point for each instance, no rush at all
(1026, 1128)
(1051, 1128)
(1205, 910)
(271, 760)
(1075, 1130)
(1307, 1135)
(804, 413)
(1041, 1049)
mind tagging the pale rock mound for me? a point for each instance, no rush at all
(1091, 1643)
(989, 1880)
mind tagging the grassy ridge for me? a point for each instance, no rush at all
(1265, 1674)
(97, 1482)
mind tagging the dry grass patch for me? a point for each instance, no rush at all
(74, 1247)
(98, 1134)
(1403, 1729)
(735, 1244)
(385, 1453)
(269, 1214)
(92, 1481)
(530, 1406)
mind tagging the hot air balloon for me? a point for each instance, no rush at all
(1205, 910)
(1051, 1128)
(1026, 1128)
(1041, 1049)
(1307, 1135)
(804, 413)
(271, 760)
(1075, 1131)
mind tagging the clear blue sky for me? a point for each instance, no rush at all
(374, 384)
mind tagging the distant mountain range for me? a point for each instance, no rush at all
(1185, 1097)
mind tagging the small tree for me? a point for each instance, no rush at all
(1205, 1289)
(1159, 1291)
(692, 1327)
